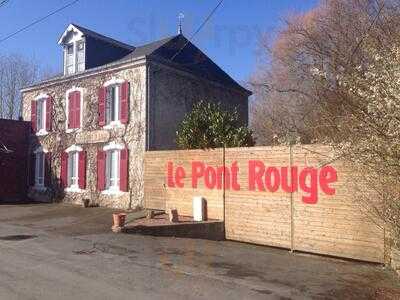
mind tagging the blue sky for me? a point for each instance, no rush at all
(230, 38)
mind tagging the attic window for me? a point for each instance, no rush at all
(74, 57)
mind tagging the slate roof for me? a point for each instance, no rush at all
(190, 59)
(95, 35)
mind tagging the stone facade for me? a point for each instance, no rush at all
(92, 137)
(160, 96)
(175, 92)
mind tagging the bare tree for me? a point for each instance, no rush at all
(15, 72)
(333, 76)
(296, 88)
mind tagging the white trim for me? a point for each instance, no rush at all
(113, 81)
(113, 192)
(73, 148)
(73, 89)
(73, 189)
(113, 146)
(113, 125)
(70, 27)
(41, 96)
(42, 132)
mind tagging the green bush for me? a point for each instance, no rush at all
(209, 126)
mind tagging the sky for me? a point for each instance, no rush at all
(229, 38)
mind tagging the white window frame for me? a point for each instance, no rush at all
(43, 99)
(39, 185)
(82, 92)
(113, 82)
(74, 42)
(73, 188)
(113, 189)
(66, 58)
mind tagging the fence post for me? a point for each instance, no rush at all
(291, 200)
(223, 182)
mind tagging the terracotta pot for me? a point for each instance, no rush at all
(119, 219)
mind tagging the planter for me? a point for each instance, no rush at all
(119, 220)
(173, 215)
(85, 203)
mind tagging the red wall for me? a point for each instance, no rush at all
(14, 166)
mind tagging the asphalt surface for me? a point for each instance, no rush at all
(50, 251)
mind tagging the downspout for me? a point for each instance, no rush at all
(148, 115)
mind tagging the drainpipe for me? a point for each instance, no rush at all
(148, 127)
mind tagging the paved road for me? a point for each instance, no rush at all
(66, 252)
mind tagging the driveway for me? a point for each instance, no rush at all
(50, 251)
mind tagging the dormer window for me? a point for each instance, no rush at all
(74, 45)
(74, 57)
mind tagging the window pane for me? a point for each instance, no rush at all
(40, 115)
(112, 105)
(69, 59)
(112, 169)
(73, 169)
(70, 49)
(40, 168)
(80, 56)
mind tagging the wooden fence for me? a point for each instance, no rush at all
(336, 224)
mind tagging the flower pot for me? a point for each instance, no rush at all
(85, 203)
(119, 219)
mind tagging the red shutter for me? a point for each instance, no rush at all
(78, 109)
(124, 103)
(49, 113)
(33, 116)
(47, 169)
(64, 170)
(71, 109)
(102, 106)
(123, 170)
(32, 170)
(82, 170)
(101, 170)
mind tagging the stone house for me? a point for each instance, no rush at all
(92, 124)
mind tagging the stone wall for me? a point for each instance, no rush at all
(92, 137)
(172, 96)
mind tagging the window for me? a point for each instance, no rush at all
(112, 170)
(112, 104)
(73, 169)
(39, 169)
(69, 59)
(80, 56)
(40, 114)
(74, 57)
